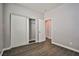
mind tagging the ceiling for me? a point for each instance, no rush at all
(41, 7)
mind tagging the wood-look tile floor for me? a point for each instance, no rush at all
(40, 49)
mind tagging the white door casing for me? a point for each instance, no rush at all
(41, 30)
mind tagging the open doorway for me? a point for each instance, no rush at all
(32, 31)
(48, 28)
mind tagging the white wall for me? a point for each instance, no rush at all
(65, 25)
(14, 8)
(1, 27)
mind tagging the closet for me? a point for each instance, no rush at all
(23, 30)
(26, 30)
(32, 30)
(18, 30)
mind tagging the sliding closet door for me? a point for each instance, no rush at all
(18, 30)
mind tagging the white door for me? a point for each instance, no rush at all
(41, 30)
(18, 30)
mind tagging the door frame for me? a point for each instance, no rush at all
(36, 30)
(50, 27)
(42, 36)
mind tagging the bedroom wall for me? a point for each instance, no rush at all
(18, 9)
(65, 25)
(1, 27)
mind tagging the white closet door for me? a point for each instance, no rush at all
(41, 30)
(18, 31)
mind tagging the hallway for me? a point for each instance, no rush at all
(40, 49)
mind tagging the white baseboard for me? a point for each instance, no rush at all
(1, 53)
(66, 47)
(5, 50)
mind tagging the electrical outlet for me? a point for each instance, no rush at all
(70, 43)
